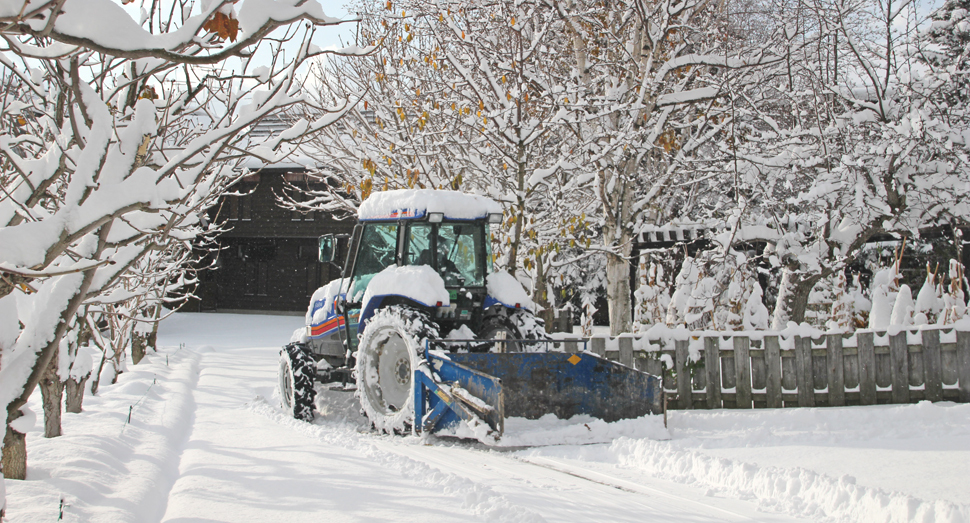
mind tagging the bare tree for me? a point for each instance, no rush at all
(119, 141)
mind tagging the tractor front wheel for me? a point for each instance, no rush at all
(390, 349)
(296, 381)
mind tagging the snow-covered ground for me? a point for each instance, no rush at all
(207, 442)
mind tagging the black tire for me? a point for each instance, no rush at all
(520, 324)
(296, 381)
(391, 347)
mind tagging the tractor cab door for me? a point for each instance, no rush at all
(376, 250)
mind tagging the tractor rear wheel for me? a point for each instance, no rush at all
(390, 349)
(519, 325)
(296, 381)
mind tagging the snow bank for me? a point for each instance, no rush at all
(852, 464)
(405, 203)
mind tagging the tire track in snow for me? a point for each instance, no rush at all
(185, 406)
(475, 499)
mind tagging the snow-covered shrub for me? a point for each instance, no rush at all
(652, 298)
(954, 301)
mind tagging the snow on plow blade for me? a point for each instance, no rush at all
(533, 384)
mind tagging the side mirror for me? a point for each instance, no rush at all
(327, 248)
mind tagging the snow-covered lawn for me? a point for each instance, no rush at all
(207, 442)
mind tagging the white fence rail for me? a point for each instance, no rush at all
(769, 369)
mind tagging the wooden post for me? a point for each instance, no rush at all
(712, 364)
(773, 364)
(803, 372)
(963, 362)
(867, 368)
(899, 355)
(932, 365)
(742, 366)
(833, 346)
(598, 346)
(626, 350)
(681, 355)
(571, 347)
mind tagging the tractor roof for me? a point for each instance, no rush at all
(417, 203)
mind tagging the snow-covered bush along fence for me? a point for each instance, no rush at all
(798, 368)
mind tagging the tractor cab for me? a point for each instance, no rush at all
(447, 232)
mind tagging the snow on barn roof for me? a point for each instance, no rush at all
(415, 203)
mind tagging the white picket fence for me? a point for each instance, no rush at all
(772, 369)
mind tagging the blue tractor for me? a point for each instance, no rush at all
(433, 337)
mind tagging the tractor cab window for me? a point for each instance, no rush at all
(419, 244)
(460, 253)
(378, 246)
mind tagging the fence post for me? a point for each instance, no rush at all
(803, 372)
(742, 367)
(773, 367)
(932, 365)
(899, 355)
(712, 365)
(963, 361)
(598, 346)
(681, 355)
(833, 346)
(626, 350)
(867, 368)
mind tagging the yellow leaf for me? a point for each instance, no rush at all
(513, 20)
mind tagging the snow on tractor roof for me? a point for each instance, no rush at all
(416, 203)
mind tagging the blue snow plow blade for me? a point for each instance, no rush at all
(493, 386)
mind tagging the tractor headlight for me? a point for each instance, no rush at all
(436, 217)
(495, 217)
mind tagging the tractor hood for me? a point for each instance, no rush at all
(417, 203)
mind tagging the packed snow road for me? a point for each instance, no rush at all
(195, 434)
(245, 458)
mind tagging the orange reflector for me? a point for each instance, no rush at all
(574, 359)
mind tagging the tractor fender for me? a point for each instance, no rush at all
(504, 289)
(419, 285)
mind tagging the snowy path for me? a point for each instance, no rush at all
(207, 442)
(244, 458)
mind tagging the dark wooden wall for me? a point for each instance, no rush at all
(268, 258)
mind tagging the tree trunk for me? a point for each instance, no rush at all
(618, 294)
(74, 396)
(138, 343)
(793, 293)
(542, 298)
(52, 393)
(14, 453)
(152, 341)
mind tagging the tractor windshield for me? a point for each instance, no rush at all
(460, 251)
(378, 245)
